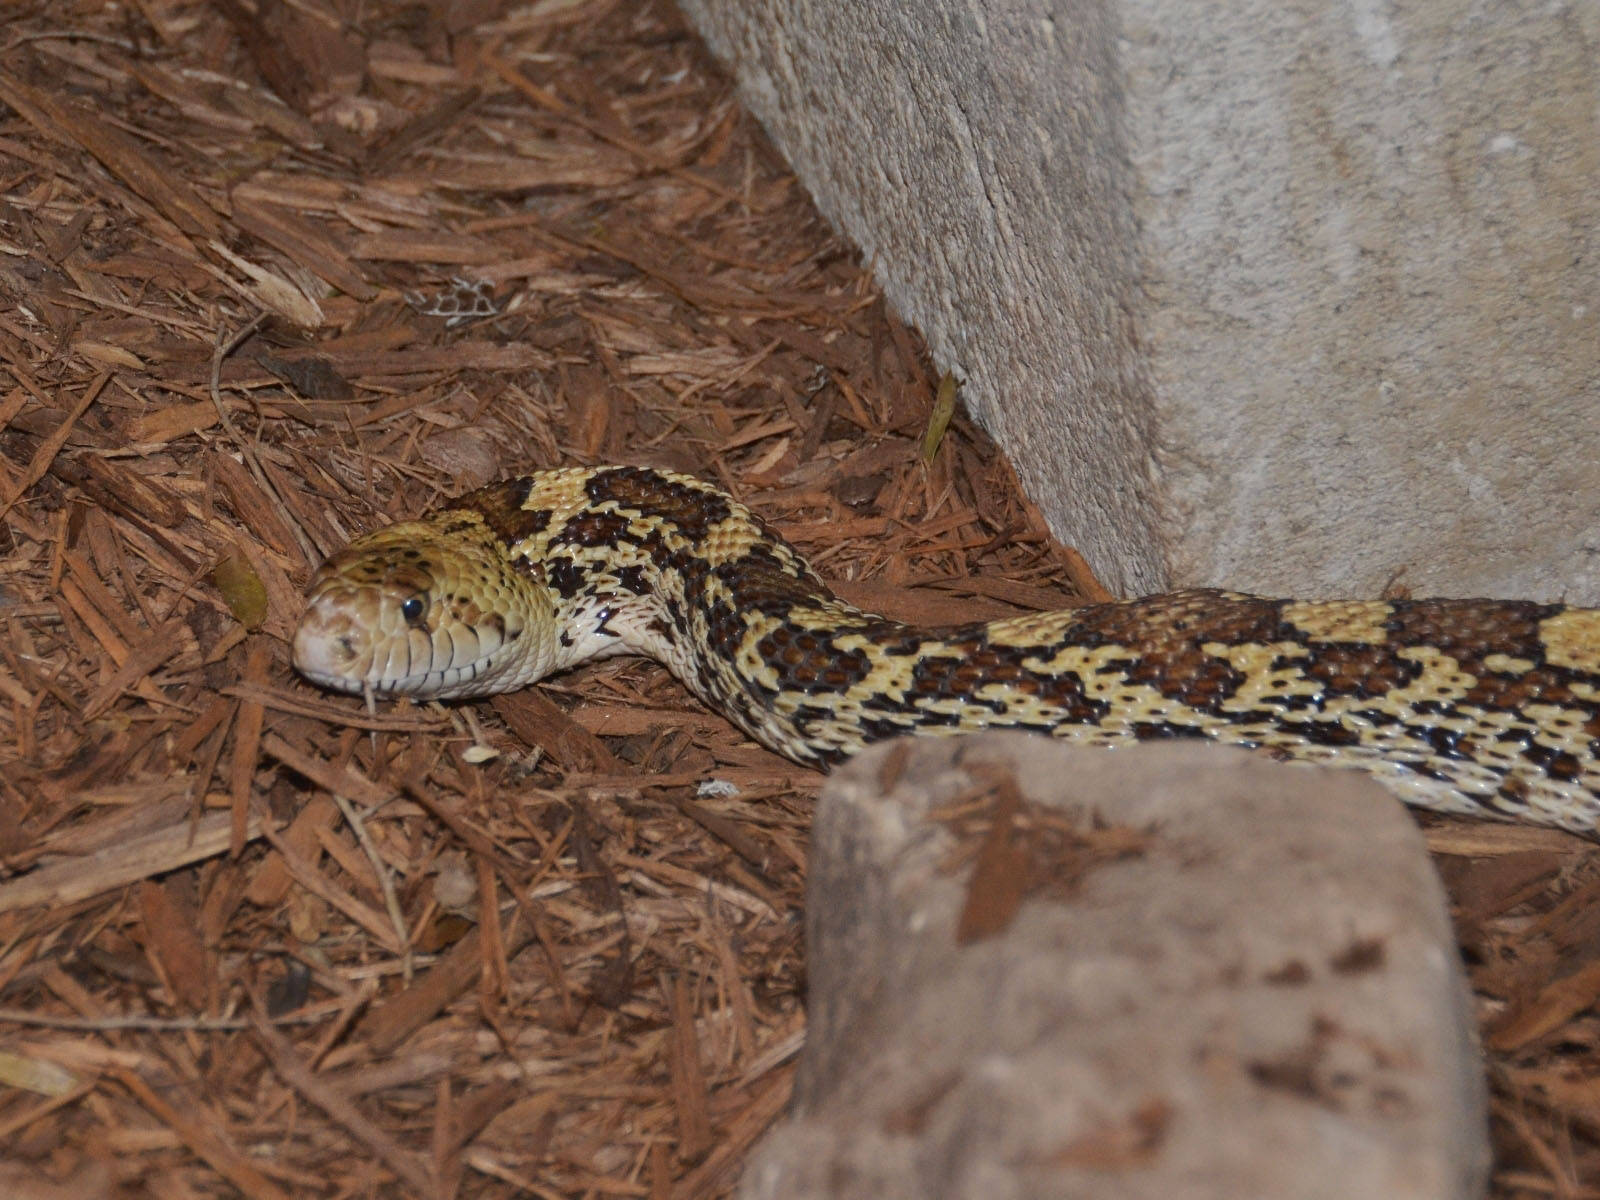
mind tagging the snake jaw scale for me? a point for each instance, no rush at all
(1472, 706)
(483, 627)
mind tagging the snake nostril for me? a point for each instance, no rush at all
(347, 645)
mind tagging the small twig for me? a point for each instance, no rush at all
(20, 1016)
(225, 348)
(68, 35)
(391, 902)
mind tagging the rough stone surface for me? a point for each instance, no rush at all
(1242, 984)
(1287, 297)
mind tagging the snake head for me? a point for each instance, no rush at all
(424, 610)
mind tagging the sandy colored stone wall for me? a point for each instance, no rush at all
(1293, 298)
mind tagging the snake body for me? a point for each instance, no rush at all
(1482, 707)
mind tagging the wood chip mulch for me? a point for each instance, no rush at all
(274, 272)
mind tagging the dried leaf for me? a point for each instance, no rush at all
(35, 1074)
(314, 378)
(944, 408)
(242, 590)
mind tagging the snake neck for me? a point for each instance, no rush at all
(654, 563)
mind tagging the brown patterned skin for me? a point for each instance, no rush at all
(1470, 706)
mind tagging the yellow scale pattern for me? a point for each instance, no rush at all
(1483, 707)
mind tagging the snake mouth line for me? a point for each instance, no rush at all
(432, 685)
(331, 657)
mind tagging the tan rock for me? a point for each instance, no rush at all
(1045, 971)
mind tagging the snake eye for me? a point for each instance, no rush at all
(412, 608)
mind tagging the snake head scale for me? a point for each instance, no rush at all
(420, 610)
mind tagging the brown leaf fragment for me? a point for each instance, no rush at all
(312, 378)
(172, 939)
(241, 589)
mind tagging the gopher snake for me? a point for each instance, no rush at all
(1470, 706)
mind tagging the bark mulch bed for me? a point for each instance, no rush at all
(274, 272)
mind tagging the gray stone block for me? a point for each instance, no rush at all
(1186, 971)
(1281, 297)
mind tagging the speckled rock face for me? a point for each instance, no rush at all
(1280, 298)
(1042, 971)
